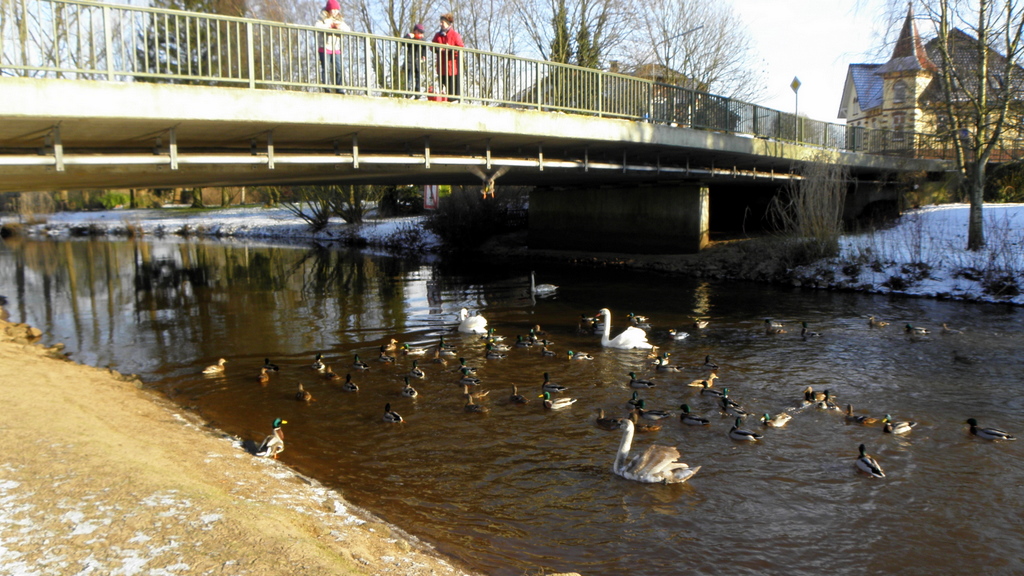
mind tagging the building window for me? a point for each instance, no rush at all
(899, 93)
(898, 126)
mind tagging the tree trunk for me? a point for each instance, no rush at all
(197, 197)
(976, 221)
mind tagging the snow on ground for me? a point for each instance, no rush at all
(925, 254)
(248, 222)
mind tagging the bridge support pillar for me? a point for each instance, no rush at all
(663, 219)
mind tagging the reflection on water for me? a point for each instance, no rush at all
(520, 490)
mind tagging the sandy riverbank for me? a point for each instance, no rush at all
(101, 476)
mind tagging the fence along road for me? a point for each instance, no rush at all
(161, 96)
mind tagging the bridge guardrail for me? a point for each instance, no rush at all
(87, 40)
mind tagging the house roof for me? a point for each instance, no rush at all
(964, 54)
(909, 55)
(865, 85)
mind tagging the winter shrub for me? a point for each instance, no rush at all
(112, 200)
(1002, 284)
(896, 283)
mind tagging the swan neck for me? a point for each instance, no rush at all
(624, 446)
(606, 337)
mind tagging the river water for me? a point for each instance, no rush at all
(519, 490)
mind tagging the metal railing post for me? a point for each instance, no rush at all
(250, 54)
(108, 42)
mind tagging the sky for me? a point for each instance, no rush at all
(815, 41)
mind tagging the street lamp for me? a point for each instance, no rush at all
(795, 85)
(667, 42)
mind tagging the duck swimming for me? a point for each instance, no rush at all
(691, 419)
(416, 371)
(349, 385)
(217, 368)
(391, 416)
(556, 403)
(737, 433)
(408, 391)
(989, 433)
(550, 386)
(777, 421)
(896, 428)
(516, 397)
(869, 465)
(635, 382)
(862, 420)
(610, 422)
(359, 364)
(318, 363)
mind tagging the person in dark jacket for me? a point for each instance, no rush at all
(415, 55)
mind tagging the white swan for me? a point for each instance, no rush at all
(472, 324)
(656, 464)
(630, 338)
(541, 289)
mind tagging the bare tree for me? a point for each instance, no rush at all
(583, 32)
(981, 82)
(703, 41)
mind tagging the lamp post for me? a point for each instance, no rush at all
(795, 85)
(667, 43)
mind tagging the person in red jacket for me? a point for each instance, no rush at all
(448, 61)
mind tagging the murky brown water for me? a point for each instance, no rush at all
(520, 490)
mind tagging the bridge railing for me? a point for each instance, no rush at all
(87, 40)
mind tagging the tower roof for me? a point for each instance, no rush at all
(909, 54)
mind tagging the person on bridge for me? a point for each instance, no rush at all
(415, 55)
(448, 61)
(329, 45)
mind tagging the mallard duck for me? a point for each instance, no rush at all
(471, 324)
(217, 368)
(270, 365)
(656, 464)
(491, 336)
(579, 356)
(777, 421)
(862, 420)
(896, 428)
(274, 443)
(989, 433)
(493, 354)
(700, 324)
(869, 465)
(635, 382)
(827, 404)
(872, 322)
(773, 327)
(330, 374)
(467, 378)
(385, 357)
(444, 345)
(556, 403)
(473, 407)
(475, 395)
(408, 391)
(639, 321)
(303, 395)
(390, 415)
(707, 390)
(634, 417)
(691, 419)
(438, 359)
(729, 407)
(632, 337)
(737, 433)
(662, 365)
(641, 410)
(811, 396)
(677, 334)
(391, 346)
(915, 330)
(587, 324)
(550, 386)
(610, 422)
(264, 376)
(410, 351)
(522, 343)
(417, 372)
(466, 368)
(349, 385)
(516, 397)
(544, 351)
(634, 401)
(949, 331)
(806, 333)
(359, 364)
(709, 364)
(498, 347)
(704, 382)
(318, 363)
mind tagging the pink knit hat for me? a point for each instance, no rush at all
(332, 5)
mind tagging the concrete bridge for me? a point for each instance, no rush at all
(610, 154)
